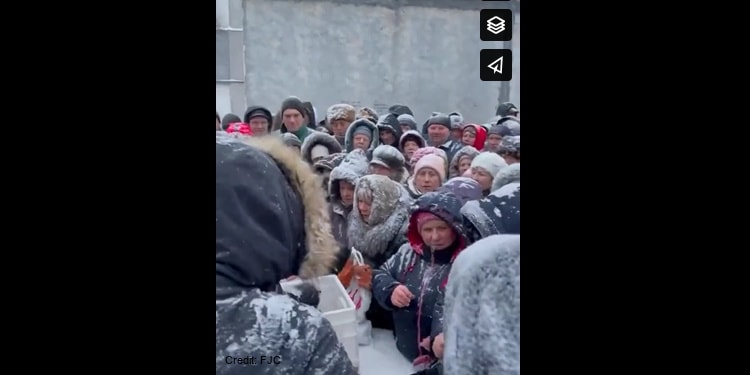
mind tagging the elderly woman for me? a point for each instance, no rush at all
(412, 282)
(429, 175)
(485, 167)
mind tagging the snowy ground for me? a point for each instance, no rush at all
(382, 357)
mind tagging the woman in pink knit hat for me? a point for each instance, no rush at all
(429, 175)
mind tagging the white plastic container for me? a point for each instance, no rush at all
(338, 308)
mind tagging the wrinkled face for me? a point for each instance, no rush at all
(409, 148)
(483, 177)
(380, 170)
(293, 119)
(463, 165)
(361, 142)
(346, 190)
(437, 234)
(468, 137)
(387, 137)
(339, 127)
(456, 134)
(259, 125)
(405, 128)
(438, 134)
(364, 209)
(427, 180)
(493, 142)
(218, 124)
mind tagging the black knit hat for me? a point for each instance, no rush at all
(293, 102)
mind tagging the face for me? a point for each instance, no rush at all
(468, 137)
(380, 170)
(438, 134)
(456, 134)
(218, 124)
(364, 209)
(346, 190)
(493, 142)
(482, 177)
(293, 120)
(405, 128)
(339, 127)
(427, 180)
(437, 234)
(259, 125)
(387, 137)
(463, 165)
(361, 142)
(409, 148)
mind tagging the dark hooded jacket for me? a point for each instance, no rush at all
(349, 139)
(318, 138)
(271, 223)
(351, 169)
(464, 151)
(424, 272)
(498, 213)
(411, 135)
(266, 112)
(389, 121)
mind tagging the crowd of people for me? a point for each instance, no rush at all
(433, 210)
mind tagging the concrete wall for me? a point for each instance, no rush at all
(422, 53)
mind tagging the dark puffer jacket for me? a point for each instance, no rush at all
(424, 272)
(271, 223)
(498, 213)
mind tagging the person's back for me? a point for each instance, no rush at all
(271, 223)
(482, 312)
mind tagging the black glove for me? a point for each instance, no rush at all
(304, 293)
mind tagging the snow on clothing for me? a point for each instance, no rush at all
(482, 309)
(318, 139)
(351, 169)
(424, 272)
(429, 150)
(389, 121)
(368, 113)
(450, 146)
(411, 135)
(432, 161)
(481, 135)
(389, 157)
(407, 119)
(341, 111)
(498, 213)
(385, 230)
(271, 223)
(258, 111)
(512, 123)
(511, 173)
(464, 188)
(466, 151)
(349, 139)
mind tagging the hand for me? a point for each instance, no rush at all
(401, 296)
(438, 345)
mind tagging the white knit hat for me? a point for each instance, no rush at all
(490, 162)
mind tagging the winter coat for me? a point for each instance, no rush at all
(385, 230)
(482, 309)
(464, 188)
(271, 223)
(349, 139)
(424, 272)
(498, 213)
(464, 151)
(389, 121)
(352, 168)
(318, 138)
(507, 175)
(251, 109)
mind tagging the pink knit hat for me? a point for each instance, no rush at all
(434, 162)
(429, 150)
(423, 217)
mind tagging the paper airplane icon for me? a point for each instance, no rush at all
(496, 25)
(497, 66)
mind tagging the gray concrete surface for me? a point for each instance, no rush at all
(365, 52)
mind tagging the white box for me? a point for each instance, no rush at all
(338, 308)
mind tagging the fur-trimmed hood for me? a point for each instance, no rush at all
(464, 151)
(351, 169)
(411, 135)
(349, 139)
(273, 202)
(318, 138)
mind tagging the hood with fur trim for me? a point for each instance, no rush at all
(318, 138)
(411, 135)
(274, 203)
